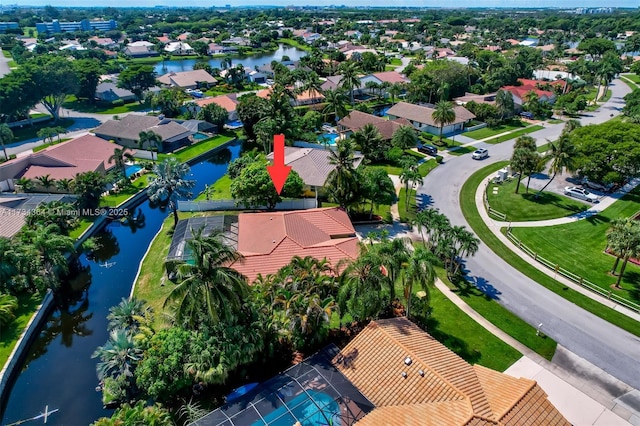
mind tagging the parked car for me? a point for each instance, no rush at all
(428, 149)
(480, 153)
(597, 186)
(580, 193)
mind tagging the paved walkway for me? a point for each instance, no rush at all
(4, 65)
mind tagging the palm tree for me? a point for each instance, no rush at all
(64, 184)
(46, 182)
(370, 141)
(128, 315)
(624, 241)
(361, 286)
(419, 271)
(8, 260)
(206, 284)
(504, 103)
(120, 158)
(341, 182)
(25, 183)
(443, 115)
(525, 157)
(350, 79)
(394, 255)
(118, 357)
(466, 243)
(151, 139)
(410, 177)
(48, 248)
(6, 136)
(404, 137)
(8, 306)
(395, 90)
(335, 101)
(312, 85)
(170, 184)
(562, 155)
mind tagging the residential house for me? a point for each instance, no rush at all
(87, 153)
(421, 117)
(109, 92)
(179, 48)
(332, 82)
(14, 209)
(526, 86)
(228, 102)
(268, 241)
(391, 373)
(104, 42)
(256, 76)
(238, 41)
(126, 131)
(382, 78)
(164, 39)
(313, 165)
(215, 49)
(138, 51)
(356, 120)
(489, 98)
(188, 79)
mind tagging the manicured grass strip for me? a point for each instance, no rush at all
(197, 149)
(524, 207)
(47, 145)
(74, 104)
(85, 223)
(502, 318)
(515, 134)
(31, 132)
(221, 190)
(607, 96)
(633, 77)
(407, 215)
(116, 199)
(462, 150)
(10, 333)
(396, 61)
(578, 247)
(487, 132)
(427, 166)
(295, 43)
(468, 206)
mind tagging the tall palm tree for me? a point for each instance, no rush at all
(151, 139)
(118, 357)
(120, 158)
(8, 260)
(312, 85)
(443, 115)
(623, 240)
(394, 91)
(419, 271)
(562, 154)
(504, 103)
(341, 182)
(25, 183)
(46, 182)
(362, 286)
(64, 184)
(335, 101)
(370, 141)
(410, 177)
(170, 184)
(404, 137)
(128, 315)
(394, 255)
(350, 80)
(206, 284)
(466, 243)
(48, 248)
(6, 136)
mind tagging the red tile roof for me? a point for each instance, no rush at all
(268, 241)
(223, 100)
(437, 387)
(356, 120)
(391, 77)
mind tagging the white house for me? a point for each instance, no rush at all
(179, 48)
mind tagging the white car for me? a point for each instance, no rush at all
(580, 193)
(480, 153)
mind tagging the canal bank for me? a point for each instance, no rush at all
(56, 369)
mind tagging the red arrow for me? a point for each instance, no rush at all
(278, 172)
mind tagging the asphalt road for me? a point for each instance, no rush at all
(601, 343)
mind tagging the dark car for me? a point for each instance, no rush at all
(428, 149)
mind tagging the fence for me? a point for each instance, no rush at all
(491, 211)
(476, 127)
(209, 205)
(571, 276)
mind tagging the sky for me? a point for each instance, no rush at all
(400, 3)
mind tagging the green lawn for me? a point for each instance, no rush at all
(407, 215)
(295, 43)
(487, 132)
(524, 207)
(113, 200)
(46, 145)
(555, 121)
(468, 206)
(199, 148)
(515, 134)
(31, 132)
(85, 223)
(27, 305)
(462, 150)
(396, 61)
(499, 316)
(633, 77)
(427, 166)
(578, 247)
(101, 108)
(222, 189)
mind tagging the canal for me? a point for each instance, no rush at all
(248, 62)
(58, 371)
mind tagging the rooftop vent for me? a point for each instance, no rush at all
(421, 373)
(408, 360)
(404, 374)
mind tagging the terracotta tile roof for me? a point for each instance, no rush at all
(356, 120)
(312, 164)
(130, 126)
(438, 387)
(11, 221)
(187, 78)
(268, 241)
(223, 100)
(391, 77)
(423, 114)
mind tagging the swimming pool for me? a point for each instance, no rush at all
(310, 408)
(199, 136)
(234, 123)
(131, 169)
(328, 138)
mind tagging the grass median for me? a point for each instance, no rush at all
(470, 211)
(9, 334)
(198, 148)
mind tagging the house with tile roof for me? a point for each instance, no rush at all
(313, 165)
(179, 48)
(228, 102)
(126, 131)
(526, 86)
(268, 241)
(421, 117)
(65, 160)
(194, 79)
(356, 120)
(412, 379)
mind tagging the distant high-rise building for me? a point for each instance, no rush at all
(4, 26)
(56, 26)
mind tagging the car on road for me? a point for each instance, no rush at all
(480, 153)
(580, 194)
(428, 149)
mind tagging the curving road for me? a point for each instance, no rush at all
(608, 347)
